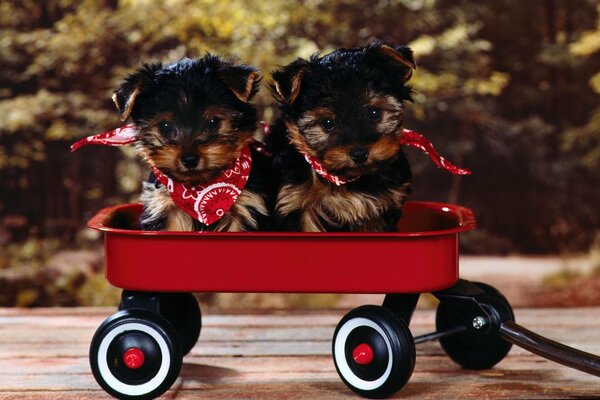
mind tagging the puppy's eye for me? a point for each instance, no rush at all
(166, 127)
(213, 123)
(375, 114)
(327, 124)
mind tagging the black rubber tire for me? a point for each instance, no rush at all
(393, 351)
(183, 312)
(143, 330)
(473, 348)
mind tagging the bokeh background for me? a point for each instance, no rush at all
(509, 89)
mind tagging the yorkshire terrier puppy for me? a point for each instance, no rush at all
(195, 125)
(336, 144)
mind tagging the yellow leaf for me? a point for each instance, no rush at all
(588, 44)
(57, 130)
(423, 45)
(595, 82)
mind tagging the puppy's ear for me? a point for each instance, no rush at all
(287, 80)
(124, 97)
(244, 81)
(392, 57)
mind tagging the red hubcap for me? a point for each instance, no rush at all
(133, 358)
(362, 354)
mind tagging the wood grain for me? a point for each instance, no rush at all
(283, 355)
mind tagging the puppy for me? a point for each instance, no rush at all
(338, 155)
(195, 125)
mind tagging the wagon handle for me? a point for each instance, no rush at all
(569, 356)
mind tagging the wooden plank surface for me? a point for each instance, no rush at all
(284, 355)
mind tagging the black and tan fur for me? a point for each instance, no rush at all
(345, 109)
(194, 117)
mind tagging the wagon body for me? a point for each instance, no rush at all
(137, 352)
(421, 257)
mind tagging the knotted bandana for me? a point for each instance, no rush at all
(206, 203)
(409, 138)
(319, 169)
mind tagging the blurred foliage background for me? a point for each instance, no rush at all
(508, 88)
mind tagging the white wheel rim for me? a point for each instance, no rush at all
(124, 388)
(339, 352)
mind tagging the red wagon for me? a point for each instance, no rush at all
(137, 352)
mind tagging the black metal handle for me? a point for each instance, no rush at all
(516, 334)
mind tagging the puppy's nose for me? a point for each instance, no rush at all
(359, 155)
(189, 160)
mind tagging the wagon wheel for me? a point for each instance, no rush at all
(183, 312)
(180, 309)
(373, 351)
(135, 354)
(480, 345)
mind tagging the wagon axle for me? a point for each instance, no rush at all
(438, 335)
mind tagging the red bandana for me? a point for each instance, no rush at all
(318, 167)
(409, 138)
(210, 202)
(121, 136)
(207, 203)
(414, 139)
